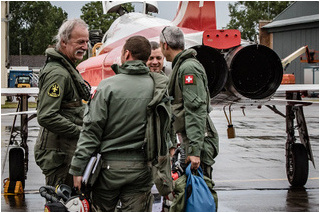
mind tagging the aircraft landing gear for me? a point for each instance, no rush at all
(297, 154)
(19, 153)
(297, 164)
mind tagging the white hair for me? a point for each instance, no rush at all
(65, 30)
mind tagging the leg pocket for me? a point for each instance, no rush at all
(162, 175)
(49, 160)
(137, 202)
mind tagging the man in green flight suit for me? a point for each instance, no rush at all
(188, 85)
(191, 104)
(115, 126)
(60, 108)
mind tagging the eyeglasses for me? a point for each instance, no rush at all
(163, 34)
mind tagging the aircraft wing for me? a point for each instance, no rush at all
(298, 87)
(31, 91)
(19, 113)
(285, 88)
(276, 101)
(278, 98)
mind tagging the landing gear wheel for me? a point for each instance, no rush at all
(297, 165)
(16, 165)
(9, 98)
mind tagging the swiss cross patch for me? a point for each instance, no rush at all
(188, 79)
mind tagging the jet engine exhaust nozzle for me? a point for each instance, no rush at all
(215, 66)
(255, 71)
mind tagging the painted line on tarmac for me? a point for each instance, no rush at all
(257, 180)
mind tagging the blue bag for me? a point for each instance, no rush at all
(198, 195)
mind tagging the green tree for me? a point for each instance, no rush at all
(94, 17)
(245, 15)
(33, 24)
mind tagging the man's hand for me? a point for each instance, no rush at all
(77, 180)
(171, 151)
(195, 162)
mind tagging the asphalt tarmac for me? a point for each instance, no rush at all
(249, 171)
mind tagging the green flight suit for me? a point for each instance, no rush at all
(115, 125)
(191, 107)
(59, 113)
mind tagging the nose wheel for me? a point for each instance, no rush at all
(297, 165)
(16, 165)
(19, 153)
(297, 154)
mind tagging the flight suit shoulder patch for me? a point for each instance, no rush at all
(54, 90)
(189, 79)
(93, 94)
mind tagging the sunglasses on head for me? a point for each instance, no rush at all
(163, 34)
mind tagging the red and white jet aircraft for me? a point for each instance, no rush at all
(239, 73)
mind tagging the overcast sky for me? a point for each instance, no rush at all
(167, 10)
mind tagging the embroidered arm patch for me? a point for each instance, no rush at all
(94, 92)
(54, 90)
(189, 79)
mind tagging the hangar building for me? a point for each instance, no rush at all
(296, 26)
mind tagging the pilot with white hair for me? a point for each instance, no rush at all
(60, 107)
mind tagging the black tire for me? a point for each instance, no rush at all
(297, 165)
(16, 165)
(9, 98)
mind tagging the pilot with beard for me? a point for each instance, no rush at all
(60, 107)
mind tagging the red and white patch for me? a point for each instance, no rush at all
(94, 92)
(188, 79)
